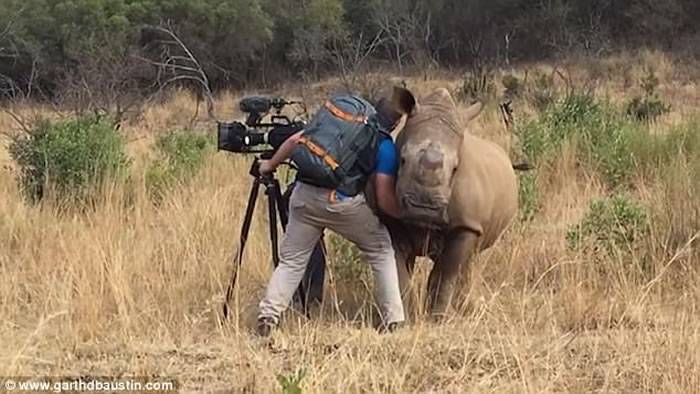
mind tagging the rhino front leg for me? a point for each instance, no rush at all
(458, 249)
(405, 262)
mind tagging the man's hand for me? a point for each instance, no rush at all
(266, 167)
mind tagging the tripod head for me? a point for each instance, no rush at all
(255, 167)
(255, 170)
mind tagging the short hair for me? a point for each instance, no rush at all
(386, 113)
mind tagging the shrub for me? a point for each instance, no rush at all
(568, 118)
(346, 260)
(366, 85)
(684, 140)
(70, 158)
(542, 92)
(513, 86)
(647, 109)
(604, 140)
(180, 155)
(291, 384)
(676, 171)
(610, 224)
(650, 106)
(528, 197)
(476, 85)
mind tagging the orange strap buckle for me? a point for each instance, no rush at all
(344, 115)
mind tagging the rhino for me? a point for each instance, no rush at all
(457, 192)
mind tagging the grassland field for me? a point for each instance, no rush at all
(135, 289)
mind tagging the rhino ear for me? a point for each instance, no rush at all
(404, 101)
(473, 111)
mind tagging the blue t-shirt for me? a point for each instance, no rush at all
(387, 158)
(387, 162)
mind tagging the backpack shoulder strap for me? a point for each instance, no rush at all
(340, 114)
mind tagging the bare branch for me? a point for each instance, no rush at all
(186, 64)
(6, 30)
(33, 75)
(350, 53)
(182, 78)
(8, 87)
(21, 121)
(170, 65)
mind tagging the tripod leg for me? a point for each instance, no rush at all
(282, 202)
(247, 221)
(272, 213)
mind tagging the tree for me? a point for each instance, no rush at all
(319, 23)
(47, 45)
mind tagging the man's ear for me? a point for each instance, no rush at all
(404, 101)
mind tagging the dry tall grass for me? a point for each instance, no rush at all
(135, 289)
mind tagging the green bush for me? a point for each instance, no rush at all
(291, 384)
(684, 139)
(346, 260)
(512, 85)
(180, 155)
(542, 91)
(561, 122)
(528, 197)
(649, 106)
(604, 140)
(609, 224)
(70, 158)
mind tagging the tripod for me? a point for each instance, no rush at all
(311, 288)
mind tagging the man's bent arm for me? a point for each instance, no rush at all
(388, 202)
(285, 150)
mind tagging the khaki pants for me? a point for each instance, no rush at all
(310, 212)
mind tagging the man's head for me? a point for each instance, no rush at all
(387, 114)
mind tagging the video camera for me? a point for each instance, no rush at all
(256, 136)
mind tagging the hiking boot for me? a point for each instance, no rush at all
(265, 326)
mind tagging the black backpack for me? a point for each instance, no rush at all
(339, 146)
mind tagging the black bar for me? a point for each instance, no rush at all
(272, 216)
(250, 210)
(281, 206)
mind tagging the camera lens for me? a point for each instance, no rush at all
(231, 137)
(256, 139)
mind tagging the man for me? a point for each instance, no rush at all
(311, 211)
